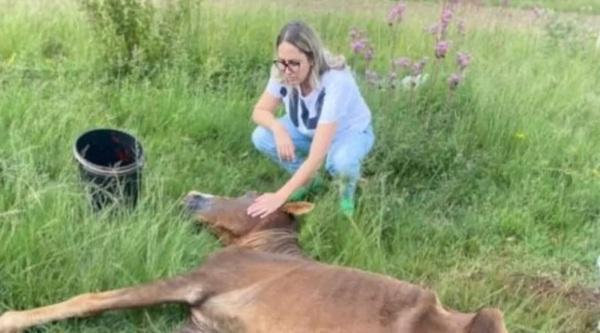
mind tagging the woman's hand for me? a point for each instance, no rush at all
(265, 204)
(284, 143)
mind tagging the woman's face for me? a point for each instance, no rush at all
(293, 64)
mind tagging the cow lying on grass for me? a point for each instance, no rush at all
(261, 282)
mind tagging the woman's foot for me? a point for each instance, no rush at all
(347, 206)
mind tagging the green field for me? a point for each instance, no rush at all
(488, 193)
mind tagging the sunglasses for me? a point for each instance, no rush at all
(282, 65)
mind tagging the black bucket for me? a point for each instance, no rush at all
(110, 162)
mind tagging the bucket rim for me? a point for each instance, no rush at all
(110, 171)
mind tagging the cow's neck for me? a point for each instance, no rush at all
(279, 241)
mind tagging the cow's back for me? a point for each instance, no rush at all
(280, 294)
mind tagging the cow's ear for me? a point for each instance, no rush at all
(298, 208)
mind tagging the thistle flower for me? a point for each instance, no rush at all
(446, 16)
(445, 19)
(461, 27)
(355, 34)
(372, 77)
(368, 53)
(417, 68)
(434, 29)
(358, 45)
(454, 80)
(413, 81)
(441, 49)
(538, 12)
(401, 63)
(463, 60)
(395, 14)
(392, 78)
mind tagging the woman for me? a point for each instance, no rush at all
(326, 120)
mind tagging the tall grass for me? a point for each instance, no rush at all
(488, 194)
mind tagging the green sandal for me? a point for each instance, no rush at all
(347, 207)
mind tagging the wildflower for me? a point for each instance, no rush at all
(395, 13)
(446, 16)
(368, 53)
(11, 60)
(445, 19)
(354, 34)
(358, 45)
(434, 29)
(463, 60)
(441, 49)
(417, 68)
(520, 136)
(403, 63)
(413, 81)
(538, 12)
(392, 77)
(372, 77)
(461, 27)
(454, 80)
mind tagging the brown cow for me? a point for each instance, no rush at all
(261, 282)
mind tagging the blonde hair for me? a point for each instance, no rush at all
(308, 42)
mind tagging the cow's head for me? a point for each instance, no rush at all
(227, 217)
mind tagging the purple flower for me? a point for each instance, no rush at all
(461, 27)
(445, 19)
(372, 77)
(417, 68)
(354, 34)
(358, 45)
(463, 60)
(441, 49)
(538, 12)
(454, 80)
(402, 63)
(434, 29)
(446, 16)
(395, 14)
(392, 77)
(368, 53)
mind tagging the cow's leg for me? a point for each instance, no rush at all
(191, 327)
(177, 290)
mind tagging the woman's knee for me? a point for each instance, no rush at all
(345, 166)
(263, 139)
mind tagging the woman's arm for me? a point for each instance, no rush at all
(269, 202)
(318, 151)
(264, 115)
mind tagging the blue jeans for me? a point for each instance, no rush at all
(344, 158)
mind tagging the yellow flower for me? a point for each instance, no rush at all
(520, 136)
(11, 60)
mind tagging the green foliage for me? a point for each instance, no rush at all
(137, 36)
(487, 193)
(567, 33)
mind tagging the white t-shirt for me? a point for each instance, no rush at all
(337, 99)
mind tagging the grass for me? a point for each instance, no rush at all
(488, 194)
